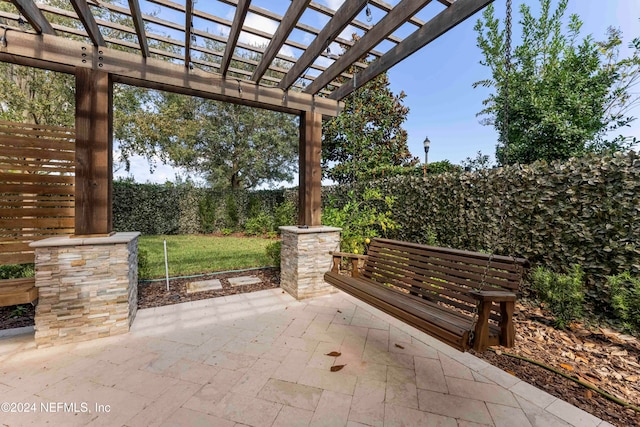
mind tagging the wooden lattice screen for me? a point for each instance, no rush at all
(36, 187)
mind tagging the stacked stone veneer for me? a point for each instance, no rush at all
(88, 287)
(305, 258)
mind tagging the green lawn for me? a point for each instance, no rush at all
(194, 254)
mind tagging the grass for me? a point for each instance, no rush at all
(195, 254)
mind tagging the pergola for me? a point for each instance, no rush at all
(118, 42)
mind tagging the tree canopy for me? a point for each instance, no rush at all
(367, 139)
(566, 94)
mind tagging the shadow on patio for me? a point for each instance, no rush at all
(260, 359)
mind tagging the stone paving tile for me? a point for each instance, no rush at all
(500, 377)
(187, 417)
(332, 410)
(401, 387)
(319, 359)
(430, 375)
(572, 415)
(205, 399)
(244, 280)
(402, 416)
(248, 410)
(256, 377)
(233, 361)
(291, 394)
(507, 416)
(293, 417)
(188, 370)
(453, 368)
(533, 394)
(538, 417)
(454, 406)
(292, 366)
(162, 407)
(374, 353)
(339, 382)
(489, 392)
(204, 285)
(367, 405)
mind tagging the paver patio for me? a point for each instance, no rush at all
(259, 359)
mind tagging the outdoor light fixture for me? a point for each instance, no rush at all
(3, 39)
(427, 144)
(239, 87)
(368, 13)
(21, 20)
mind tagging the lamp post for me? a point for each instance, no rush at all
(427, 143)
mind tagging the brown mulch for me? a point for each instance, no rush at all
(602, 357)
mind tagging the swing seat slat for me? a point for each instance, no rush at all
(465, 299)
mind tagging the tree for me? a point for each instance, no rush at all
(367, 139)
(231, 146)
(565, 94)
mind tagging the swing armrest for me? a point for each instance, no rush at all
(493, 296)
(355, 258)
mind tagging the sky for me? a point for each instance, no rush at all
(437, 79)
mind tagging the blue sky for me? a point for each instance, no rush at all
(438, 79)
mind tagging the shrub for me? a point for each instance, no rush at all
(562, 293)
(17, 271)
(260, 224)
(273, 252)
(144, 268)
(360, 218)
(284, 214)
(625, 299)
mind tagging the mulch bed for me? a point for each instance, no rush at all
(602, 357)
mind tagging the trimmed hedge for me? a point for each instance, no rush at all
(580, 212)
(184, 209)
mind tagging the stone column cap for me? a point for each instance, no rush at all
(296, 229)
(114, 239)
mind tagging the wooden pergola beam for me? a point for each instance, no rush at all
(310, 171)
(138, 23)
(188, 27)
(58, 54)
(329, 32)
(238, 21)
(440, 24)
(294, 12)
(34, 15)
(392, 20)
(84, 13)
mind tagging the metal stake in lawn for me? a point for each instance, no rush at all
(166, 263)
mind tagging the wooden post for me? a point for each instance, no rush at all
(94, 153)
(309, 190)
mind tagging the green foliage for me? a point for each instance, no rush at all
(284, 214)
(18, 311)
(625, 299)
(367, 139)
(364, 216)
(231, 146)
(259, 225)
(144, 268)
(565, 93)
(562, 293)
(273, 252)
(232, 212)
(477, 163)
(226, 231)
(17, 271)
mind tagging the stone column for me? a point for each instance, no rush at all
(88, 287)
(305, 258)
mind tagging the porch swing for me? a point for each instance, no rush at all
(462, 298)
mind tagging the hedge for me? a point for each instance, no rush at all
(582, 211)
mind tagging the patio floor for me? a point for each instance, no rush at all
(259, 359)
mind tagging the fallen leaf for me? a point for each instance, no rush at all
(567, 367)
(336, 368)
(632, 378)
(508, 371)
(399, 346)
(339, 311)
(499, 352)
(334, 354)
(588, 394)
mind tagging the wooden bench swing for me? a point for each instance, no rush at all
(464, 299)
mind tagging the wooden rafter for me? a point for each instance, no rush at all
(440, 24)
(340, 20)
(236, 28)
(84, 13)
(34, 15)
(138, 23)
(294, 12)
(61, 54)
(188, 28)
(394, 19)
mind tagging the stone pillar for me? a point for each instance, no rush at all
(305, 258)
(88, 287)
